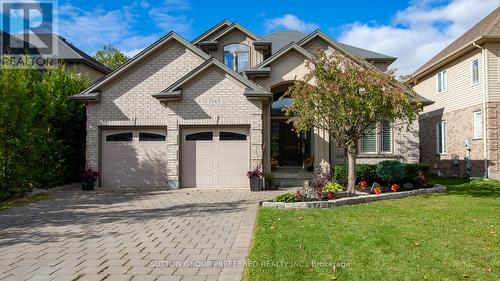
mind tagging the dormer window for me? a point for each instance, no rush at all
(236, 57)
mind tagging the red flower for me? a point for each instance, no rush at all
(394, 187)
(377, 190)
(362, 184)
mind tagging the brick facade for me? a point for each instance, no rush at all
(459, 126)
(405, 148)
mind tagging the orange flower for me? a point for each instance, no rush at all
(362, 184)
(377, 190)
(394, 187)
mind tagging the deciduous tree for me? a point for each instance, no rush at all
(346, 97)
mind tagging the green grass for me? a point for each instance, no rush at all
(452, 236)
(15, 202)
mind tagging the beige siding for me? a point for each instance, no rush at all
(493, 53)
(460, 92)
(237, 36)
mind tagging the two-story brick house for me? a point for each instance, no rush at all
(203, 113)
(463, 80)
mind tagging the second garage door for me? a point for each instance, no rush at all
(215, 157)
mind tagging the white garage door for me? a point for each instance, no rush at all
(135, 157)
(215, 157)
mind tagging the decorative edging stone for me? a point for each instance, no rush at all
(352, 200)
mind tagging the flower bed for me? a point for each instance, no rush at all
(345, 199)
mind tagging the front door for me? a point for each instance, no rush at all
(289, 146)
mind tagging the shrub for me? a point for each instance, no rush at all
(332, 187)
(313, 188)
(340, 174)
(366, 172)
(390, 170)
(42, 132)
(288, 197)
(413, 169)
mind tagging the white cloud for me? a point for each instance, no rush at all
(419, 32)
(170, 16)
(289, 22)
(91, 29)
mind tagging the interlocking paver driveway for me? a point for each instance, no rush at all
(129, 234)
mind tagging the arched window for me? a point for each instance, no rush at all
(236, 57)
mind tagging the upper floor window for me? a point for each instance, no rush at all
(236, 57)
(475, 71)
(442, 81)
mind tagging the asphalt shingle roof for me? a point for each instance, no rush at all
(280, 39)
(489, 26)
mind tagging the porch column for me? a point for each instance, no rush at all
(266, 115)
(321, 147)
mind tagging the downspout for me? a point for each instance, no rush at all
(485, 100)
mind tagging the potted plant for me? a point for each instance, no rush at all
(330, 189)
(309, 164)
(89, 178)
(255, 177)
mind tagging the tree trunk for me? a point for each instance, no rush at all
(351, 174)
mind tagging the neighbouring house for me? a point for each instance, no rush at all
(203, 113)
(464, 82)
(62, 51)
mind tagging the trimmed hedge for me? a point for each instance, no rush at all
(368, 173)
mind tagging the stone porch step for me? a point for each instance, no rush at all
(290, 176)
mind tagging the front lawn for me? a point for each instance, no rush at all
(451, 236)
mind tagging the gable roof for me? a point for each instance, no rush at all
(238, 26)
(488, 27)
(361, 61)
(140, 56)
(214, 29)
(280, 39)
(63, 49)
(282, 51)
(176, 88)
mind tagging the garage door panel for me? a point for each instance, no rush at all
(232, 164)
(134, 163)
(215, 163)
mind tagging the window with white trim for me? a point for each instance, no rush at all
(385, 137)
(236, 57)
(378, 139)
(369, 142)
(478, 124)
(475, 71)
(441, 137)
(442, 81)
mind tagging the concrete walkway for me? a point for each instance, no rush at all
(130, 234)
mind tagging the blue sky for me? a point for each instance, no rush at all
(413, 30)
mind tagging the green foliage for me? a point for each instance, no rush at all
(390, 170)
(340, 174)
(110, 56)
(288, 197)
(346, 97)
(366, 172)
(42, 133)
(412, 169)
(333, 187)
